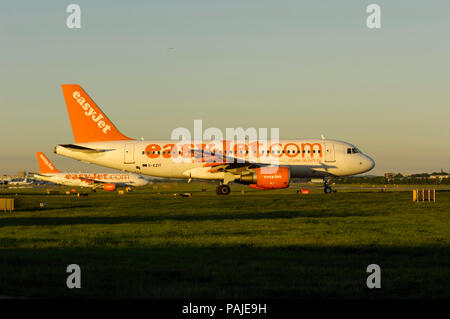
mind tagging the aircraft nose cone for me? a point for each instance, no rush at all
(365, 164)
(370, 163)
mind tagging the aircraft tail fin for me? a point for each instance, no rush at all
(45, 165)
(89, 123)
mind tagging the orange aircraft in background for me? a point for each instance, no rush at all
(107, 181)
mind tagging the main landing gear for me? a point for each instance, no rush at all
(223, 190)
(326, 189)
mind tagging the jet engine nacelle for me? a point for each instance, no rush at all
(267, 178)
(109, 187)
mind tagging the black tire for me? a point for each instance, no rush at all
(223, 190)
(327, 190)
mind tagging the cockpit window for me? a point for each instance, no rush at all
(352, 150)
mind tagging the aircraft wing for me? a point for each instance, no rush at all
(219, 162)
(223, 163)
(93, 181)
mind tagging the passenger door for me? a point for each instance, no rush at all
(329, 152)
(129, 154)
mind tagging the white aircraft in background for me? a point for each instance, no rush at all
(20, 182)
(98, 141)
(107, 181)
(4, 180)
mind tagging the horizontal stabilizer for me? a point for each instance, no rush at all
(84, 149)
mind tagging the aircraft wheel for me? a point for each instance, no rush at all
(327, 190)
(223, 190)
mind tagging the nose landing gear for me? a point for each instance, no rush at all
(326, 189)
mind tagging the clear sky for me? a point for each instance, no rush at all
(306, 67)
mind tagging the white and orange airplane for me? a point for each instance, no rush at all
(107, 181)
(98, 141)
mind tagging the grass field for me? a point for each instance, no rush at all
(271, 244)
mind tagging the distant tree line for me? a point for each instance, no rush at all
(397, 179)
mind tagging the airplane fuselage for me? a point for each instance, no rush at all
(91, 180)
(165, 158)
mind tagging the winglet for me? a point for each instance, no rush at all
(45, 165)
(89, 123)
